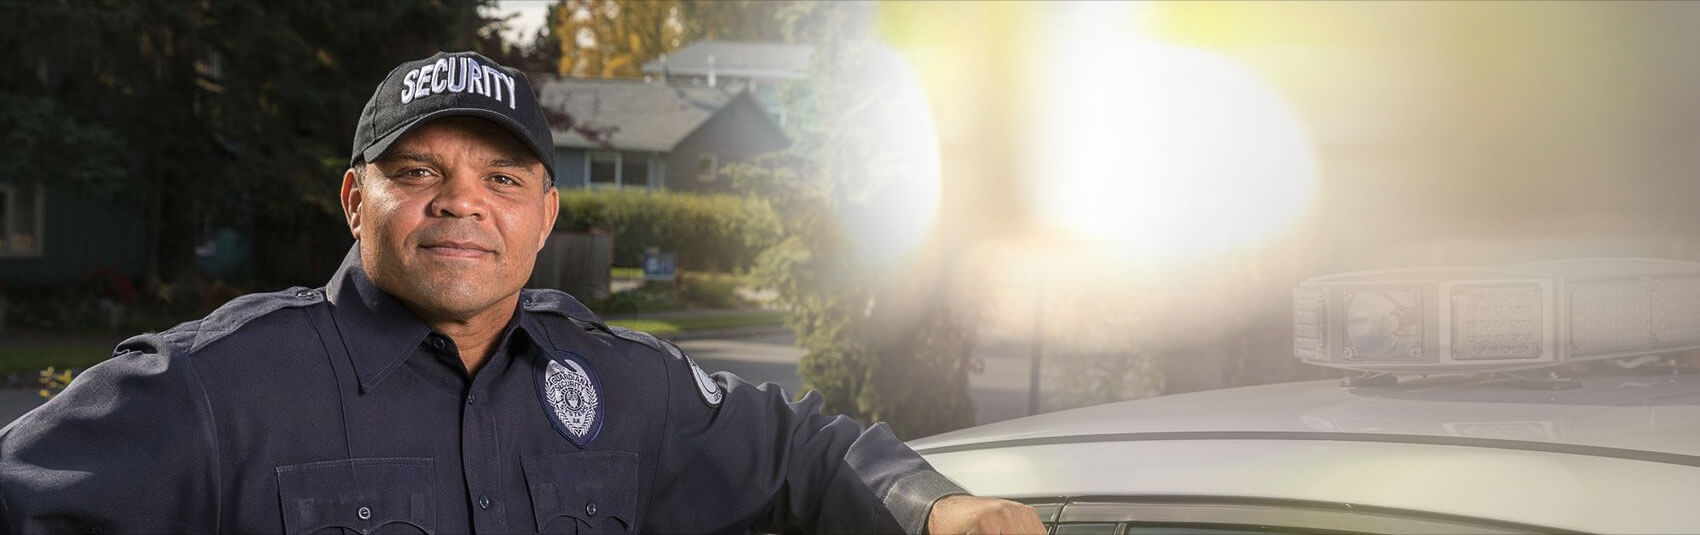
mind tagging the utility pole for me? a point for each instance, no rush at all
(1038, 343)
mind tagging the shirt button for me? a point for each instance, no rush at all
(483, 502)
(590, 509)
(365, 513)
(437, 342)
(471, 399)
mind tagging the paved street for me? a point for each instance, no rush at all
(14, 403)
(761, 358)
(999, 393)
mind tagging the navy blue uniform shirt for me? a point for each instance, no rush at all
(337, 410)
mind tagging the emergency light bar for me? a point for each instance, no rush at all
(1497, 319)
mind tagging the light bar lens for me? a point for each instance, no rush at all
(1676, 310)
(1383, 324)
(1610, 316)
(1497, 322)
(1310, 317)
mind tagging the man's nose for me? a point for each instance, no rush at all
(459, 195)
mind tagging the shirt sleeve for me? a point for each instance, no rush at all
(751, 458)
(127, 447)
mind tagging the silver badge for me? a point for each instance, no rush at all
(710, 390)
(569, 392)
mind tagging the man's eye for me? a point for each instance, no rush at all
(413, 173)
(505, 180)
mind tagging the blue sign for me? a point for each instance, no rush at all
(659, 266)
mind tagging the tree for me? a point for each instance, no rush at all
(614, 38)
(734, 20)
(542, 54)
(885, 339)
(204, 114)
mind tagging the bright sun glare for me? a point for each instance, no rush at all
(1162, 152)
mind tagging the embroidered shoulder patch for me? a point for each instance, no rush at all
(706, 387)
(571, 396)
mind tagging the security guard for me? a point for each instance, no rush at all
(423, 391)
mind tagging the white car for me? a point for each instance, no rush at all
(1450, 454)
(1429, 441)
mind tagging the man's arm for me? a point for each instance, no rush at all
(747, 456)
(125, 448)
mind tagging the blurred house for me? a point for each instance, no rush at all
(759, 67)
(52, 235)
(657, 136)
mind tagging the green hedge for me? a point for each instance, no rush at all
(709, 232)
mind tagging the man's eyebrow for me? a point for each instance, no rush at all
(409, 156)
(507, 162)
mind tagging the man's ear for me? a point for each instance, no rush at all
(551, 209)
(351, 198)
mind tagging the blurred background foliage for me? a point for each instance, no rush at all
(884, 342)
(211, 114)
(614, 38)
(887, 337)
(722, 233)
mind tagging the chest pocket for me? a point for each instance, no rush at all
(588, 492)
(365, 496)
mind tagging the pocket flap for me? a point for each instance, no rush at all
(357, 494)
(588, 487)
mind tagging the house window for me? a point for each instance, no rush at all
(708, 166)
(20, 219)
(634, 169)
(604, 168)
(618, 169)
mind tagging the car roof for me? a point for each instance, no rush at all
(1648, 416)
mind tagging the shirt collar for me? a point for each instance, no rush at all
(380, 332)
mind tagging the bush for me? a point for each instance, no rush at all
(97, 301)
(709, 232)
(694, 290)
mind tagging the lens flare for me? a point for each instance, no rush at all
(892, 191)
(1164, 152)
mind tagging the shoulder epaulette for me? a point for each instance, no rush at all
(559, 302)
(233, 315)
(556, 302)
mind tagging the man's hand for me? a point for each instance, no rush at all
(976, 515)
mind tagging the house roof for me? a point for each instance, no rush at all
(733, 58)
(648, 116)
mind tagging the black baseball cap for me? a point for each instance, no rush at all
(452, 84)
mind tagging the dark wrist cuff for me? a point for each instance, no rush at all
(911, 500)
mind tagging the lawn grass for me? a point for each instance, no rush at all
(670, 326)
(636, 274)
(60, 355)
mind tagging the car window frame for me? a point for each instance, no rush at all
(1275, 515)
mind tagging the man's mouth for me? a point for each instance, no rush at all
(454, 249)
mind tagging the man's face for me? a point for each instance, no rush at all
(451, 218)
